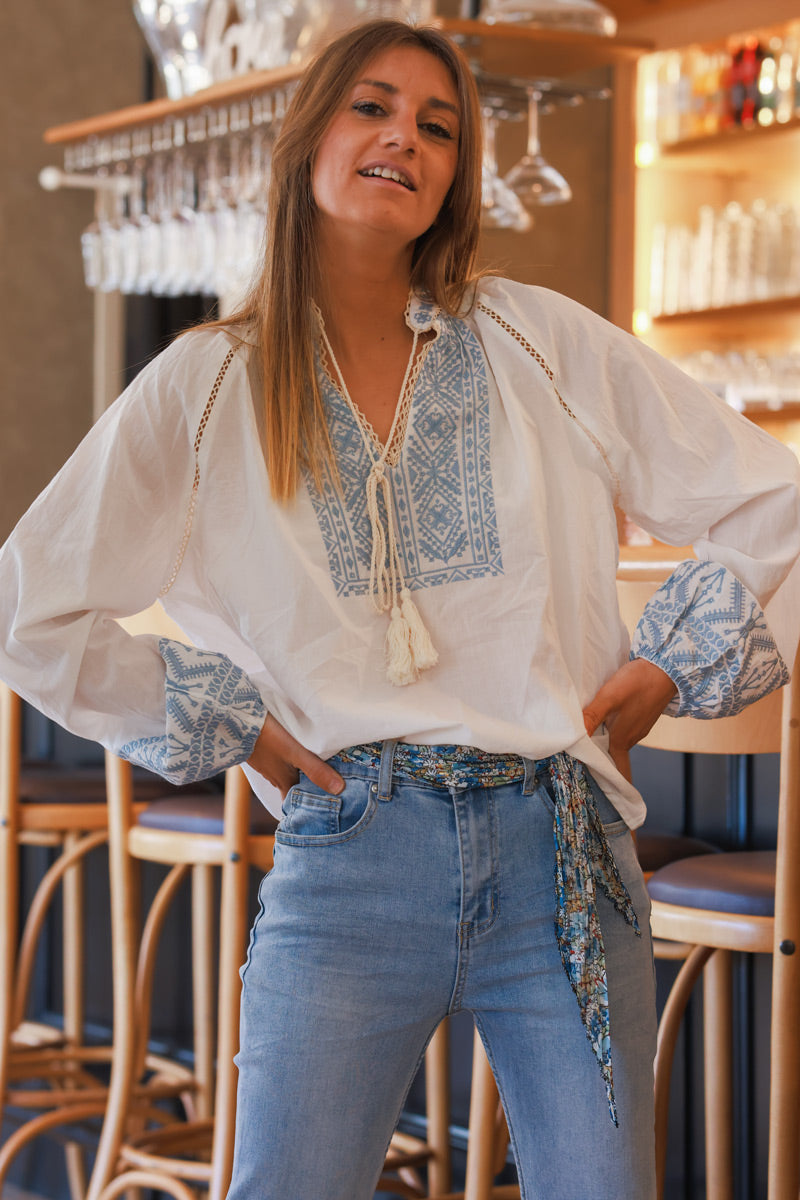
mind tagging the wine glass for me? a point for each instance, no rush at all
(501, 208)
(581, 16)
(532, 178)
(174, 31)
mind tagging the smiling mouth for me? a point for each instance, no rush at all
(388, 173)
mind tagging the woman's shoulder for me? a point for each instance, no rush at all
(554, 323)
(531, 301)
(191, 363)
(174, 387)
(198, 349)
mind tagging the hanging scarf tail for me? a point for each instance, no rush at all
(583, 859)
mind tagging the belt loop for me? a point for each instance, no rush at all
(531, 771)
(385, 770)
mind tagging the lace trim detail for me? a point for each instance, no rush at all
(201, 428)
(548, 370)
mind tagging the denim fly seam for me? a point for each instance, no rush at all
(583, 861)
(477, 849)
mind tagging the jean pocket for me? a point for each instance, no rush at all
(312, 817)
(612, 822)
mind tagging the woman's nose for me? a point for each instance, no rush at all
(401, 131)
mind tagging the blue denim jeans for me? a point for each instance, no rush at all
(388, 908)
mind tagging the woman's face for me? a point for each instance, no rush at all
(389, 154)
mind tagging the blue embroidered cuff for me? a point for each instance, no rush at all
(214, 716)
(708, 632)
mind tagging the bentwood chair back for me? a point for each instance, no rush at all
(746, 901)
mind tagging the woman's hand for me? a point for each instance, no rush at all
(630, 703)
(279, 757)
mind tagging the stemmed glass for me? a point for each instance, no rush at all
(533, 179)
(174, 31)
(501, 208)
(583, 16)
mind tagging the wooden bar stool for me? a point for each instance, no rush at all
(192, 835)
(711, 906)
(48, 1076)
(233, 833)
(748, 902)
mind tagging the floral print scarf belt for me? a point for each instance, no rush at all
(583, 860)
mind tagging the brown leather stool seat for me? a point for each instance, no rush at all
(742, 882)
(656, 849)
(201, 812)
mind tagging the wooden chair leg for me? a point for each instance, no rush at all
(784, 1110)
(717, 1043)
(10, 740)
(203, 973)
(484, 1099)
(233, 943)
(73, 934)
(73, 896)
(668, 1029)
(784, 1099)
(437, 1105)
(124, 924)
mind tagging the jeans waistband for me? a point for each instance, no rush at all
(446, 766)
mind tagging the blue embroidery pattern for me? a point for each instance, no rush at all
(708, 632)
(442, 485)
(214, 716)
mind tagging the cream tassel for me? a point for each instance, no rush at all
(423, 650)
(400, 665)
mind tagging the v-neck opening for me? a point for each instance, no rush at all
(390, 451)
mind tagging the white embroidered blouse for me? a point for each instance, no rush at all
(531, 416)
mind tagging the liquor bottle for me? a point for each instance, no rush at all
(767, 99)
(787, 57)
(743, 82)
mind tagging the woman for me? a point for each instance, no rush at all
(380, 502)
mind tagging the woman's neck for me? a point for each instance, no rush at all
(362, 293)
(365, 313)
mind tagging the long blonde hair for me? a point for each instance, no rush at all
(278, 308)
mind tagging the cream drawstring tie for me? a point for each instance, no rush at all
(409, 648)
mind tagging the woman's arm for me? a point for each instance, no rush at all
(100, 543)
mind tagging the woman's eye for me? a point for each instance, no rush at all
(437, 130)
(368, 107)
